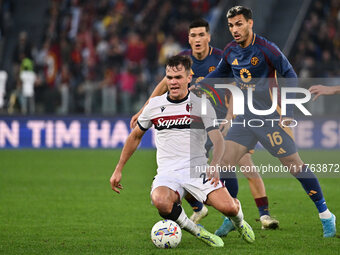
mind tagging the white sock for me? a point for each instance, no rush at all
(185, 223)
(237, 220)
(325, 215)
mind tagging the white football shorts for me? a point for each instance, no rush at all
(181, 182)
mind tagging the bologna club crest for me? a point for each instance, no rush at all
(189, 107)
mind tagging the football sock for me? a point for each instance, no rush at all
(196, 205)
(311, 185)
(237, 220)
(325, 215)
(262, 205)
(229, 180)
(184, 222)
(178, 215)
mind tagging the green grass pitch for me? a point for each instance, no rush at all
(60, 202)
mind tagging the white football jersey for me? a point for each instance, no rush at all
(181, 130)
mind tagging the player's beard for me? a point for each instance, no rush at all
(246, 36)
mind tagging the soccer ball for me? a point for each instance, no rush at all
(166, 234)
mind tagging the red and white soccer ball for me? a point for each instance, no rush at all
(166, 234)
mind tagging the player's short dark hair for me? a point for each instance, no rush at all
(180, 60)
(238, 10)
(199, 23)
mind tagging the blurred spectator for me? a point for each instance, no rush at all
(28, 79)
(40, 55)
(23, 48)
(169, 48)
(88, 88)
(152, 48)
(128, 80)
(109, 91)
(52, 64)
(102, 50)
(77, 60)
(3, 80)
(115, 52)
(64, 84)
(65, 51)
(136, 49)
(75, 11)
(6, 9)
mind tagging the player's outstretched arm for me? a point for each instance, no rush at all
(319, 90)
(159, 90)
(130, 146)
(218, 142)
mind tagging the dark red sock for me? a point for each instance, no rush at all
(262, 205)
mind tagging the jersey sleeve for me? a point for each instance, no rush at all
(282, 65)
(144, 120)
(223, 70)
(280, 62)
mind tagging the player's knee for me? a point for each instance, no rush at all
(230, 209)
(233, 210)
(253, 176)
(287, 161)
(163, 204)
(292, 161)
(246, 161)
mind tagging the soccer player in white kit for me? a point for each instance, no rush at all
(180, 138)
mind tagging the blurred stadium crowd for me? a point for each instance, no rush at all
(316, 52)
(106, 56)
